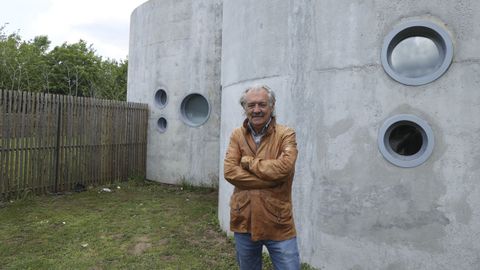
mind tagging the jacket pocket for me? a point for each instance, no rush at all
(240, 210)
(277, 210)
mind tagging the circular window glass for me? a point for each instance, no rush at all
(415, 57)
(195, 110)
(405, 140)
(161, 98)
(162, 124)
(417, 53)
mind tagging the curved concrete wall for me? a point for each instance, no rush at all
(175, 46)
(353, 209)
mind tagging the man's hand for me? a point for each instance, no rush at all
(245, 162)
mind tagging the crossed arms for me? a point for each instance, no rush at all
(250, 172)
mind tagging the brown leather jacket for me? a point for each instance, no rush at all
(261, 203)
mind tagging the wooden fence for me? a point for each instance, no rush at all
(52, 143)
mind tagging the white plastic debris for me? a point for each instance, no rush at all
(106, 190)
(84, 245)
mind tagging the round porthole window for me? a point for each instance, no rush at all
(161, 98)
(417, 53)
(405, 140)
(162, 125)
(195, 110)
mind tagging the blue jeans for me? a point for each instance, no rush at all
(284, 254)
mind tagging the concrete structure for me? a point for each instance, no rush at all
(353, 208)
(174, 53)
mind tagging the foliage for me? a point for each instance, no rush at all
(69, 69)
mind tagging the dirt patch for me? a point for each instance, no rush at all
(215, 237)
(118, 236)
(143, 243)
(163, 242)
(168, 258)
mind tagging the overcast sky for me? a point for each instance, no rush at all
(103, 23)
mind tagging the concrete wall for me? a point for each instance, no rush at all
(353, 209)
(176, 45)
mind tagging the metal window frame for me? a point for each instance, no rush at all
(183, 115)
(411, 29)
(159, 127)
(428, 141)
(158, 103)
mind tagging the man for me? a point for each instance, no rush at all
(260, 163)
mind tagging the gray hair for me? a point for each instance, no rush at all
(270, 93)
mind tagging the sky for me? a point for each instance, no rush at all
(103, 23)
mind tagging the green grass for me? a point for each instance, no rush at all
(139, 225)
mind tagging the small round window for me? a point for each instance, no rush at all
(417, 53)
(162, 124)
(405, 140)
(195, 110)
(161, 98)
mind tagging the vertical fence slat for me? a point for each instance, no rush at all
(3, 147)
(50, 139)
(98, 139)
(73, 143)
(111, 137)
(106, 143)
(116, 143)
(126, 142)
(28, 142)
(89, 142)
(128, 138)
(57, 141)
(16, 137)
(8, 144)
(139, 136)
(135, 134)
(21, 146)
(119, 124)
(78, 140)
(28, 131)
(69, 143)
(36, 156)
(91, 123)
(6, 137)
(2, 141)
(114, 138)
(98, 142)
(43, 141)
(144, 127)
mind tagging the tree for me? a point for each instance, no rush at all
(9, 65)
(113, 80)
(75, 69)
(34, 66)
(69, 69)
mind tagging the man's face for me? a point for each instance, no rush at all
(257, 108)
